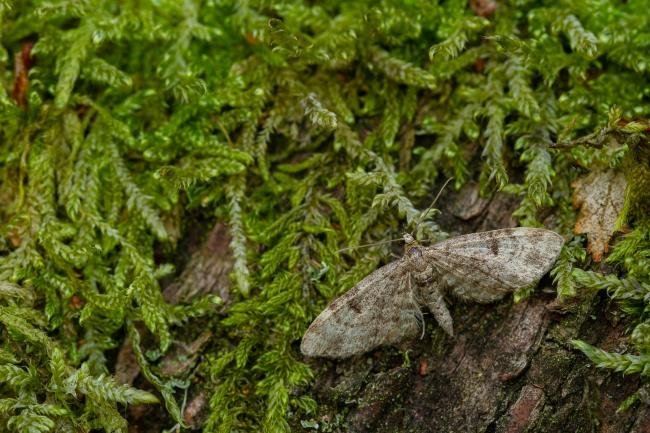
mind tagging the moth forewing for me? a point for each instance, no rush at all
(378, 311)
(485, 266)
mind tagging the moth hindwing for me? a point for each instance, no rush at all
(384, 307)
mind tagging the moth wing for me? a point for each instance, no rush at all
(379, 310)
(485, 266)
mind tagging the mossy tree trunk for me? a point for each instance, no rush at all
(509, 369)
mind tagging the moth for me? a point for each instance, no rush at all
(384, 307)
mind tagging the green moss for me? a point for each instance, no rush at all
(306, 128)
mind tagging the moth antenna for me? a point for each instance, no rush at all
(423, 214)
(369, 245)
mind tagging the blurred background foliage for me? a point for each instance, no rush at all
(305, 127)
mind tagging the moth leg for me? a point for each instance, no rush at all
(436, 303)
(416, 305)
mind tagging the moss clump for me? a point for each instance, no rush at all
(307, 128)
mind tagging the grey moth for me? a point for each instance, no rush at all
(384, 307)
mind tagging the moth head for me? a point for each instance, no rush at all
(408, 238)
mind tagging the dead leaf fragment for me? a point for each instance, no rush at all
(195, 407)
(14, 239)
(600, 196)
(483, 8)
(22, 64)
